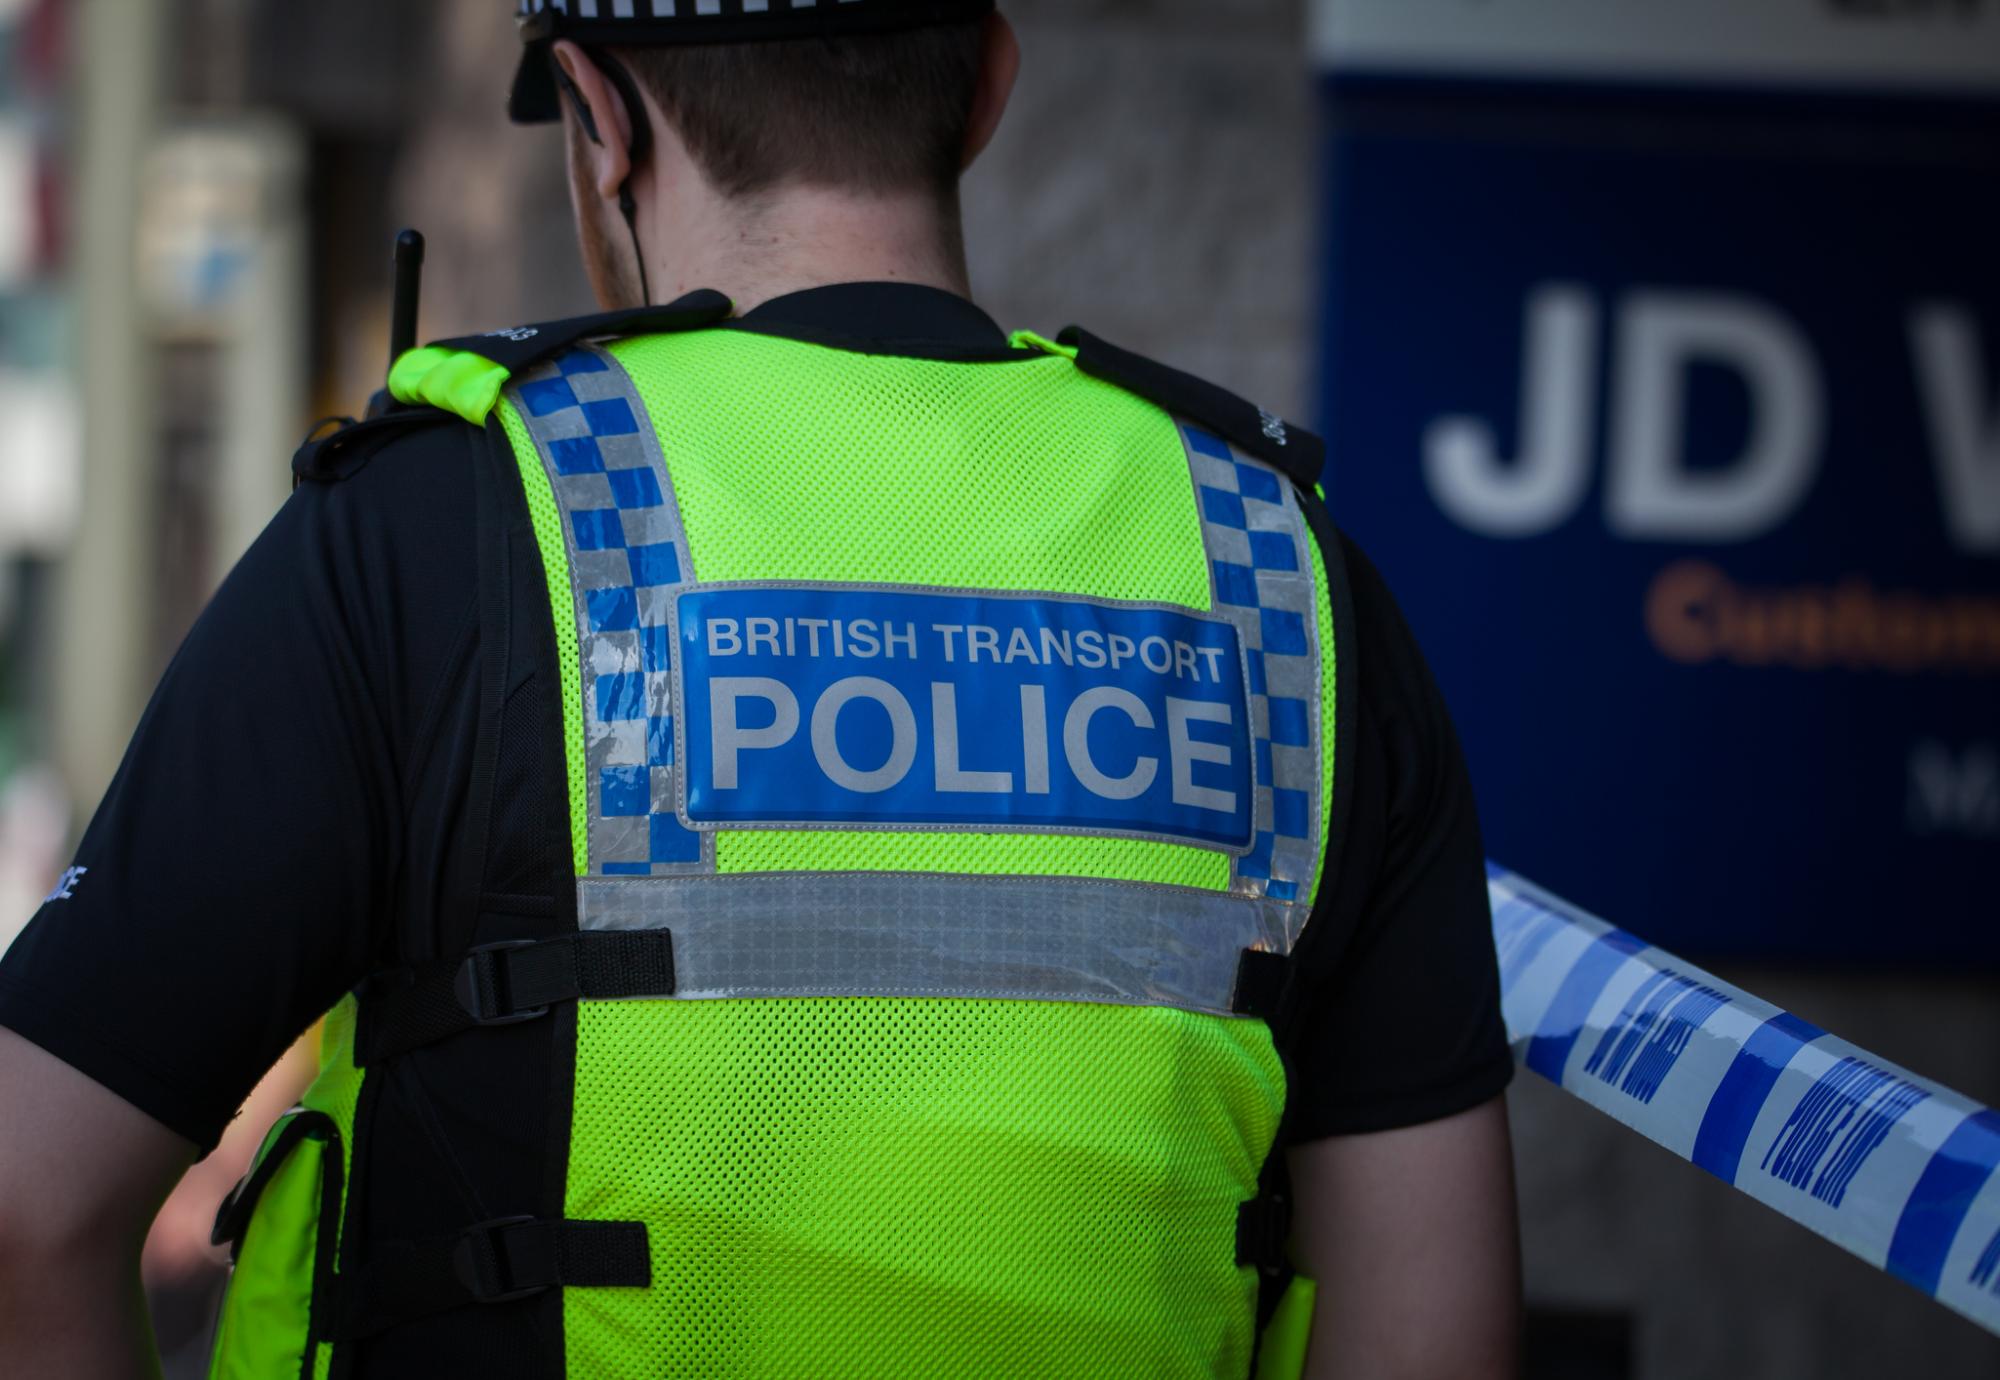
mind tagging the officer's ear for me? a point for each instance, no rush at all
(607, 123)
(999, 64)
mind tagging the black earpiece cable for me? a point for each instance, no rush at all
(640, 148)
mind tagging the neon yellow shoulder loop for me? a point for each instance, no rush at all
(460, 382)
(1028, 340)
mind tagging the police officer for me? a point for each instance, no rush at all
(831, 840)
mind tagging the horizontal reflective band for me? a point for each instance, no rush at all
(1890, 1166)
(863, 934)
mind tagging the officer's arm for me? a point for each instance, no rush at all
(81, 1174)
(1411, 1237)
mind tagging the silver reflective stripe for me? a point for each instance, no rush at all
(888, 934)
(1260, 555)
(627, 551)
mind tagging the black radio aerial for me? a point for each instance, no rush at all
(409, 285)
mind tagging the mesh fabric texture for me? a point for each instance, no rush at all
(793, 461)
(1329, 700)
(880, 1189)
(885, 1188)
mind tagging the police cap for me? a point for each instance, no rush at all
(535, 99)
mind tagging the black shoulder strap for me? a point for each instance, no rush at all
(1291, 449)
(517, 347)
(327, 457)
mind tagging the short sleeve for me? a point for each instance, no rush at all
(236, 877)
(1401, 1022)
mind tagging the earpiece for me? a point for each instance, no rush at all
(641, 143)
(635, 106)
(576, 100)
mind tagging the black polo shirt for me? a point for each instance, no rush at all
(302, 776)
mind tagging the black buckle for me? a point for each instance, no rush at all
(480, 1262)
(1260, 984)
(1263, 1229)
(469, 990)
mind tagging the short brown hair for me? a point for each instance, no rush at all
(879, 112)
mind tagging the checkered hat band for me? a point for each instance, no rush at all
(669, 21)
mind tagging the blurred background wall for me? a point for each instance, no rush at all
(196, 204)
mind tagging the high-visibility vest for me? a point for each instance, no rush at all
(950, 753)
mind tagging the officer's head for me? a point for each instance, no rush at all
(694, 121)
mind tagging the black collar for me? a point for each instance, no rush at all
(884, 319)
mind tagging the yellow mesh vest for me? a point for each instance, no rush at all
(885, 1187)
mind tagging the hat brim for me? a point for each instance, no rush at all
(534, 99)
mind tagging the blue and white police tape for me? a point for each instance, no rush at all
(1893, 1167)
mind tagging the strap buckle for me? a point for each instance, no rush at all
(480, 1261)
(1263, 1229)
(482, 987)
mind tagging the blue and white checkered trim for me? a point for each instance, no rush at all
(666, 9)
(1898, 1170)
(1260, 570)
(626, 550)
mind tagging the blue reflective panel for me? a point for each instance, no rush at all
(1207, 443)
(1255, 482)
(655, 565)
(1289, 810)
(1273, 551)
(575, 455)
(1235, 584)
(860, 706)
(597, 529)
(656, 645)
(1291, 722)
(626, 792)
(621, 696)
(1284, 632)
(544, 396)
(673, 844)
(611, 417)
(1222, 508)
(612, 610)
(634, 488)
(1257, 862)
